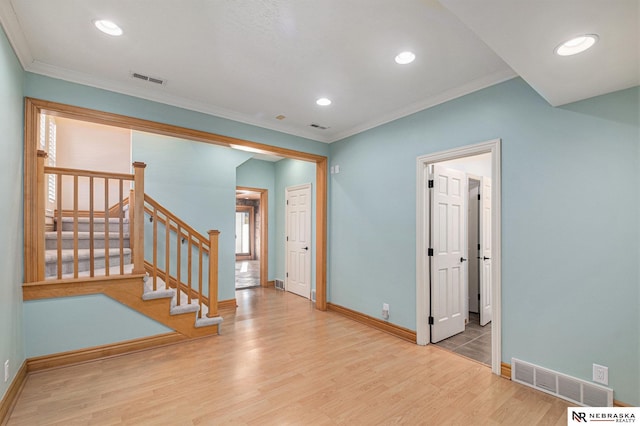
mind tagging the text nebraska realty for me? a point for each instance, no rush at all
(610, 417)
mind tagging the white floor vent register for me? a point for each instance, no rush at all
(566, 387)
(279, 284)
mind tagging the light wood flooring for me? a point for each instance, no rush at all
(247, 274)
(281, 362)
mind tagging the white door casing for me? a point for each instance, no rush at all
(473, 268)
(485, 251)
(449, 260)
(298, 240)
(423, 296)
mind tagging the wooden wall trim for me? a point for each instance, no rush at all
(264, 232)
(227, 304)
(505, 370)
(63, 359)
(396, 330)
(33, 107)
(11, 396)
(72, 287)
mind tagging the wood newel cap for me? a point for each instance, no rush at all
(212, 232)
(42, 154)
(139, 164)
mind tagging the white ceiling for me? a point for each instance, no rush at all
(252, 60)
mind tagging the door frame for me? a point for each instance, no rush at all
(308, 186)
(423, 295)
(264, 232)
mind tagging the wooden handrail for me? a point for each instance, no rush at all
(160, 208)
(87, 173)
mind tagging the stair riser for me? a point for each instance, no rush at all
(97, 227)
(84, 243)
(83, 265)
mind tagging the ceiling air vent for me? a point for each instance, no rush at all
(317, 126)
(147, 78)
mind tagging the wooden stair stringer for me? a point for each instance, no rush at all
(125, 289)
(159, 310)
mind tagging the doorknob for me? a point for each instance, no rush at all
(305, 248)
(486, 258)
(462, 259)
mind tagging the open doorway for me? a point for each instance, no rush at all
(458, 251)
(251, 234)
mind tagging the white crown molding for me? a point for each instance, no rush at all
(135, 90)
(13, 30)
(430, 102)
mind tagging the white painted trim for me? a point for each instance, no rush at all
(422, 240)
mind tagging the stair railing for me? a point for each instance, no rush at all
(87, 179)
(186, 251)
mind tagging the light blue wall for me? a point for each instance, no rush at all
(70, 323)
(11, 249)
(262, 174)
(41, 87)
(292, 173)
(570, 208)
(197, 182)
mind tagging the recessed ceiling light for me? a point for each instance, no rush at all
(323, 101)
(108, 27)
(405, 58)
(576, 45)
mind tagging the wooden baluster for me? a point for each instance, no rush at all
(75, 226)
(213, 273)
(92, 254)
(200, 251)
(121, 222)
(138, 237)
(59, 224)
(189, 265)
(178, 260)
(40, 209)
(167, 250)
(155, 249)
(106, 227)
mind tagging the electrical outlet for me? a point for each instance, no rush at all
(601, 374)
(6, 371)
(385, 311)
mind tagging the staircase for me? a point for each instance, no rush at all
(97, 251)
(92, 241)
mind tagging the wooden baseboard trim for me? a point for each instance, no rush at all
(505, 370)
(271, 283)
(227, 304)
(396, 330)
(11, 396)
(64, 359)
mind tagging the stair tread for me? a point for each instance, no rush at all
(84, 235)
(67, 254)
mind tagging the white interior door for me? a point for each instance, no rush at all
(485, 251)
(449, 260)
(298, 240)
(473, 245)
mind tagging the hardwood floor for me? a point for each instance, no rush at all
(280, 361)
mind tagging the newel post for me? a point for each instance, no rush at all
(136, 216)
(213, 273)
(40, 215)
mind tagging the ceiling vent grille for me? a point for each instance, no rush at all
(146, 78)
(317, 126)
(566, 387)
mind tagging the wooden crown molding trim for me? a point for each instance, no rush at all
(64, 359)
(396, 330)
(11, 396)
